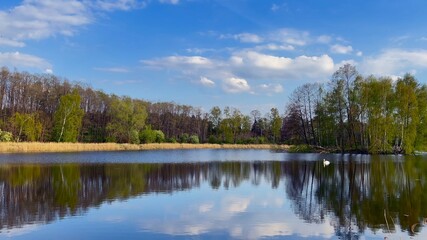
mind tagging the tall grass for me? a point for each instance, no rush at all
(32, 147)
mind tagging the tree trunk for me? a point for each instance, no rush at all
(62, 128)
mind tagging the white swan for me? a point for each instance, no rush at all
(326, 162)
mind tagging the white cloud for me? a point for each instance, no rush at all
(113, 69)
(359, 53)
(193, 60)
(16, 59)
(265, 61)
(124, 5)
(248, 38)
(263, 66)
(41, 19)
(399, 39)
(169, 1)
(243, 37)
(235, 85)
(271, 88)
(176, 61)
(324, 39)
(341, 49)
(395, 62)
(199, 50)
(275, 7)
(207, 82)
(256, 63)
(291, 36)
(48, 71)
(283, 36)
(275, 47)
(11, 43)
(247, 65)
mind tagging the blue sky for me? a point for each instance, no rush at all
(249, 54)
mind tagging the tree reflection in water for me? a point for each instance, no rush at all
(379, 193)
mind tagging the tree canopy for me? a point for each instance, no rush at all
(349, 113)
(356, 113)
(68, 118)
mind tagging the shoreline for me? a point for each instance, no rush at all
(50, 147)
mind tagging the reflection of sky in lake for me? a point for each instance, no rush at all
(245, 212)
(216, 200)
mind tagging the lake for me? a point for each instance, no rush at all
(212, 194)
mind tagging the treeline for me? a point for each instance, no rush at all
(349, 113)
(356, 113)
(42, 107)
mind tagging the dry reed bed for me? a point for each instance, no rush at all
(33, 147)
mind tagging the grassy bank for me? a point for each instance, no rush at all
(33, 147)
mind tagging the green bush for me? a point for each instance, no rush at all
(150, 136)
(147, 136)
(212, 139)
(261, 140)
(5, 136)
(184, 138)
(194, 139)
(134, 137)
(160, 136)
(110, 139)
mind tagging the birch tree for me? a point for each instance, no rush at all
(68, 118)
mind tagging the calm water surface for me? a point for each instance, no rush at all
(212, 194)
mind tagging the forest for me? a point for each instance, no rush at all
(350, 112)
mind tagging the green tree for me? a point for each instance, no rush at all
(346, 78)
(26, 125)
(324, 121)
(236, 124)
(276, 124)
(246, 127)
(407, 118)
(127, 118)
(225, 127)
(68, 118)
(336, 108)
(215, 121)
(421, 139)
(378, 101)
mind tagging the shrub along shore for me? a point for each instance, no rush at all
(39, 147)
